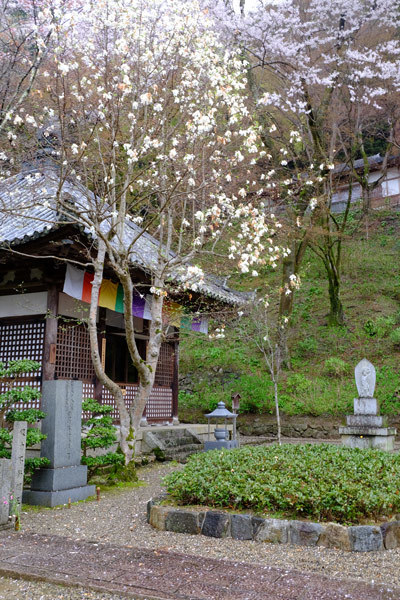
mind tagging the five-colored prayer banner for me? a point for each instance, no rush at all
(78, 284)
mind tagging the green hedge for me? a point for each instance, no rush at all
(323, 482)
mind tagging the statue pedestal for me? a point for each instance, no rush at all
(367, 429)
(381, 438)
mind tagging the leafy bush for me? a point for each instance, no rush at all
(98, 432)
(307, 347)
(395, 336)
(380, 327)
(11, 377)
(323, 482)
(336, 367)
(298, 384)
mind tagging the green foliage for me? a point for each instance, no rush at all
(111, 458)
(323, 482)
(18, 367)
(31, 464)
(30, 415)
(336, 367)
(34, 436)
(395, 336)
(372, 315)
(370, 328)
(306, 347)
(98, 431)
(8, 415)
(298, 384)
(380, 327)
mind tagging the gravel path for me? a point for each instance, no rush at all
(120, 518)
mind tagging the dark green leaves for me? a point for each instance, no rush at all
(323, 482)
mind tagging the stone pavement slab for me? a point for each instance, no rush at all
(164, 575)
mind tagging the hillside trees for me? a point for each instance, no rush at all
(319, 69)
(143, 105)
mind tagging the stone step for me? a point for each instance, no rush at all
(184, 452)
(182, 441)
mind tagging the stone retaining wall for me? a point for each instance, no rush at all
(359, 538)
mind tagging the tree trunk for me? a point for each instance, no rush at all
(152, 355)
(336, 314)
(278, 418)
(126, 446)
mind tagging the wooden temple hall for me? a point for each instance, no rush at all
(42, 318)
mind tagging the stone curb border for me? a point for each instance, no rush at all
(358, 538)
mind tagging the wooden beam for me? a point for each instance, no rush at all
(50, 334)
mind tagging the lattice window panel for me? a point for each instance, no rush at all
(87, 392)
(129, 396)
(23, 341)
(165, 365)
(159, 406)
(73, 359)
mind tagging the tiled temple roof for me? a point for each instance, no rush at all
(28, 210)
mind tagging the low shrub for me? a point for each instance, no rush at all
(395, 336)
(98, 432)
(14, 391)
(336, 367)
(307, 347)
(323, 482)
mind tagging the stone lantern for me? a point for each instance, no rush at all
(221, 434)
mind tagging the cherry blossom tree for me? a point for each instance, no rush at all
(26, 31)
(319, 68)
(145, 109)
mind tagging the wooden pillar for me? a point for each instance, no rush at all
(175, 385)
(50, 335)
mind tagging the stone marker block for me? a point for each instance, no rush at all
(158, 514)
(18, 459)
(51, 499)
(62, 403)
(366, 421)
(216, 524)
(302, 533)
(149, 504)
(66, 478)
(62, 478)
(241, 527)
(365, 538)
(385, 442)
(391, 534)
(366, 406)
(274, 531)
(5, 488)
(335, 536)
(182, 521)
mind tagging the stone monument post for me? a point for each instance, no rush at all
(18, 459)
(5, 489)
(366, 428)
(65, 478)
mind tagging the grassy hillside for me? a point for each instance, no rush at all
(323, 358)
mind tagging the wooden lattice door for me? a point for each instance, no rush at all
(73, 358)
(165, 366)
(23, 340)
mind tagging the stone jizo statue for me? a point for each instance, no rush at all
(365, 375)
